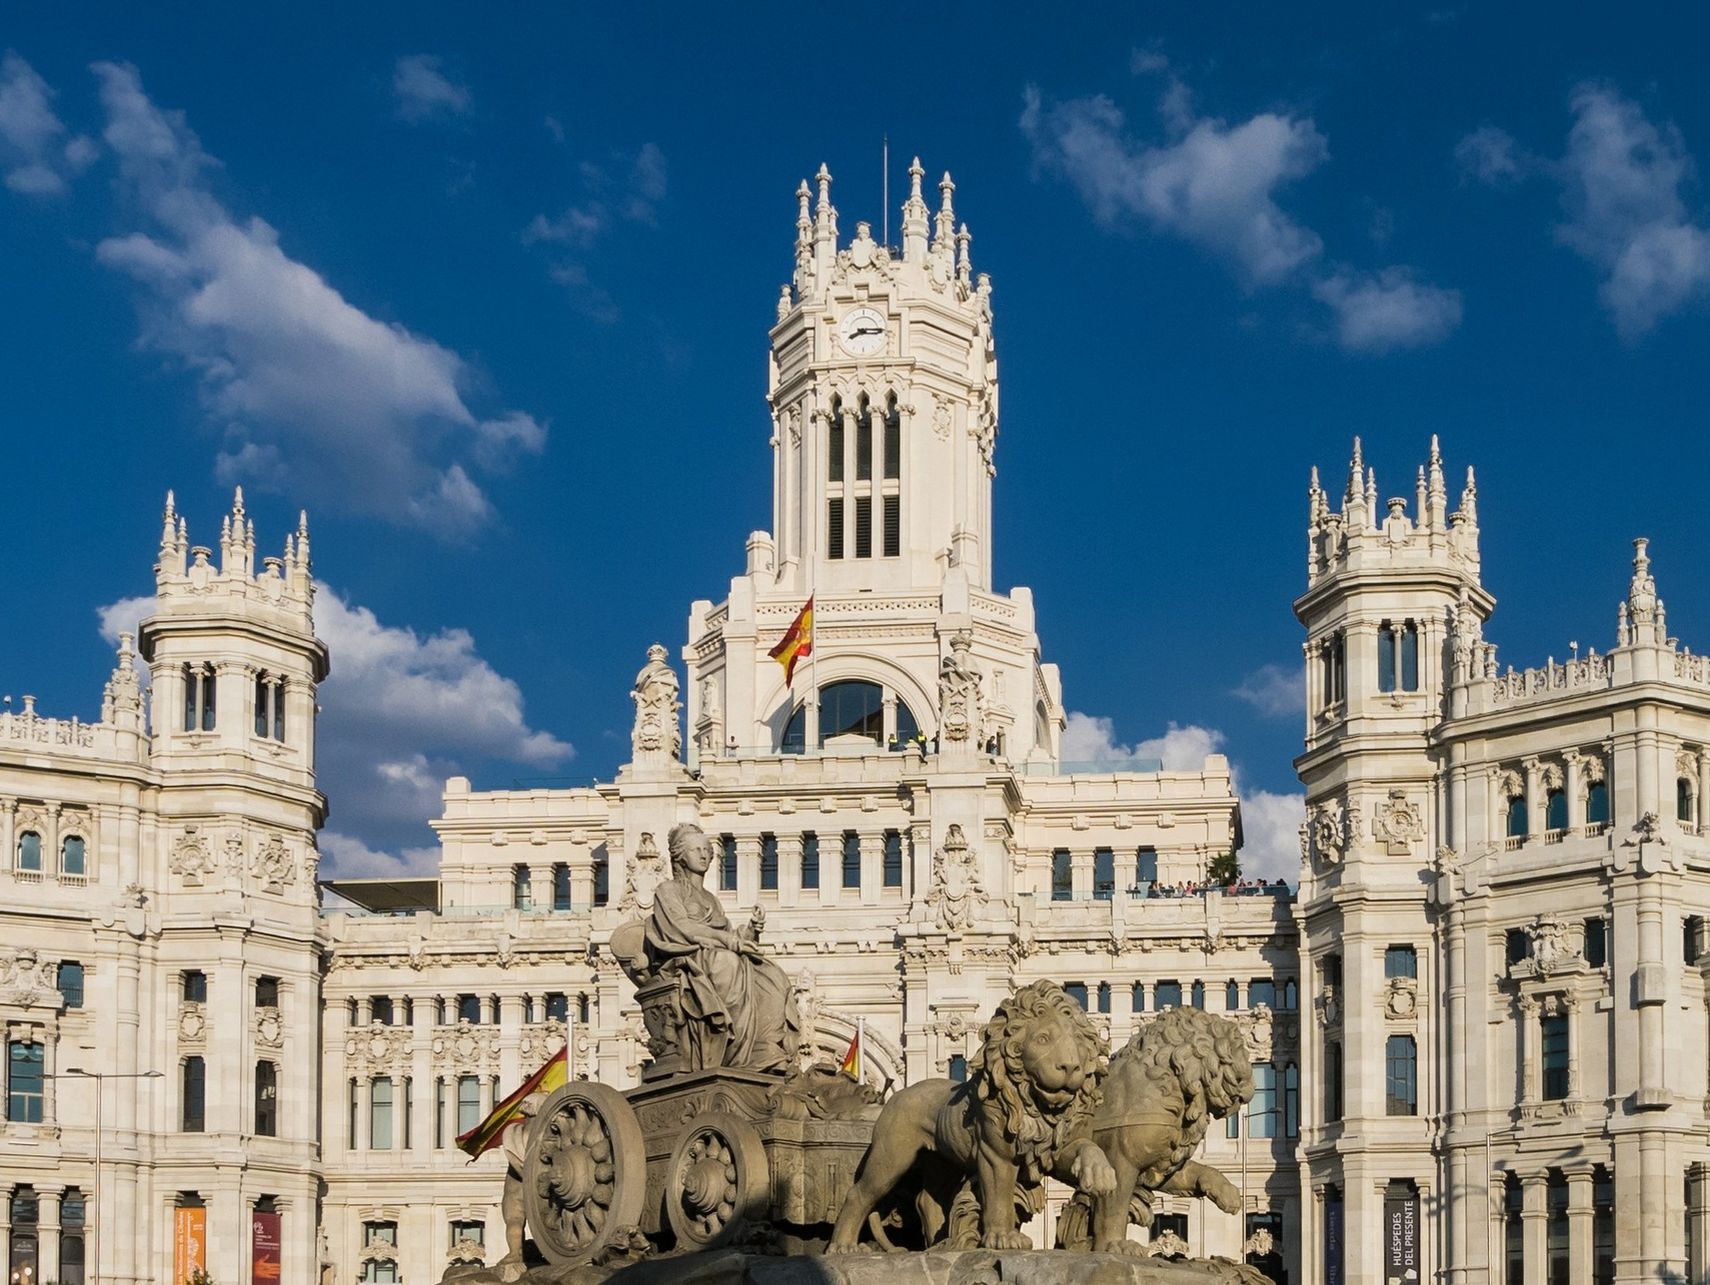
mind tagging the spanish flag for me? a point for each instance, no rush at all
(485, 1136)
(796, 643)
(852, 1059)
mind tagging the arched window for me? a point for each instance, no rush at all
(1685, 801)
(834, 472)
(1104, 997)
(1232, 997)
(850, 707)
(1556, 810)
(1197, 995)
(1516, 823)
(71, 856)
(890, 527)
(958, 1068)
(1597, 804)
(29, 851)
(1041, 727)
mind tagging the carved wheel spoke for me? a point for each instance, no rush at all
(718, 1182)
(585, 1175)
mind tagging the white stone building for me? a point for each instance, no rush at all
(1497, 937)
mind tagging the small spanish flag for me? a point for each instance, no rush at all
(796, 643)
(485, 1136)
(852, 1059)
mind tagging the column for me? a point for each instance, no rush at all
(872, 865)
(581, 874)
(1534, 802)
(8, 834)
(47, 1228)
(1457, 1204)
(1697, 1217)
(1703, 792)
(1081, 873)
(50, 843)
(1534, 1227)
(1580, 1223)
(811, 722)
(1494, 806)
(1571, 783)
(888, 730)
(789, 868)
(1121, 1010)
(1530, 1036)
(747, 869)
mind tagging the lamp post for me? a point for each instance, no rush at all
(100, 1077)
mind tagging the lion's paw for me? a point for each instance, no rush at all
(1092, 1172)
(845, 1247)
(1132, 1248)
(1006, 1240)
(1224, 1196)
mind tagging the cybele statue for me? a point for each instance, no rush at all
(730, 1163)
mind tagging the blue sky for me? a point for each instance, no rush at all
(488, 296)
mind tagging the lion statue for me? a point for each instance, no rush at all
(1179, 1072)
(972, 1153)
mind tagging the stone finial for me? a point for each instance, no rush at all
(963, 267)
(944, 230)
(914, 217)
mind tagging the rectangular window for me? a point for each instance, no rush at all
(1400, 961)
(893, 863)
(561, 886)
(1103, 874)
(727, 862)
(1262, 990)
(602, 877)
(1062, 875)
(768, 863)
(468, 1103)
(1401, 1076)
(1146, 867)
(851, 859)
(266, 1099)
(522, 888)
(468, 1233)
(834, 446)
(893, 525)
(193, 1095)
(210, 686)
(1692, 936)
(1167, 994)
(409, 1110)
(1197, 995)
(1596, 943)
(261, 701)
(1555, 1052)
(1291, 1101)
(863, 526)
(1332, 1082)
(352, 1106)
(195, 989)
(1262, 1113)
(834, 527)
(469, 1009)
(1602, 1227)
(1077, 991)
(267, 992)
(1137, 997)
(71, 983)
(380, 1113)
(810, 861)
(24, 1072)
(1410, 656)
(557, 1007)
(380, 1009)
(1104, 997)
(1386, 657)
(379, 1243)
(439, 1113)
(893, 443)
(864, 446)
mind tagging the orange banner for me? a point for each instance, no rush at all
(189, 1243)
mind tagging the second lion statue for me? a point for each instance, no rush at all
(987, 1145)
(1179, 1072)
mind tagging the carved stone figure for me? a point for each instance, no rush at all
(959, 712)
(969, 1153)
(1182, 1070)
(1329, 825)
(708, 996)
(657, 708)
(957, 894)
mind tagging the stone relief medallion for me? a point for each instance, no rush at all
(192, 858)
(269, 1029)
(1398, 824)
(273, 864)
(1401, 1000)
(192, 1023)
(1328, 825)
(957, 895)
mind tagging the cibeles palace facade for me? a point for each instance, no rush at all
(1479, 1026)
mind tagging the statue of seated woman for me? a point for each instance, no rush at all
(736, 1007)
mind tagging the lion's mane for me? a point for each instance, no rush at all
(1000, 1079)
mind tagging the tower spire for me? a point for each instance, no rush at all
(1436, 496)
(914, 217)
(944, 231)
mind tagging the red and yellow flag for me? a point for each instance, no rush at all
(796, 643)
(485, 1136)
(852, 1059)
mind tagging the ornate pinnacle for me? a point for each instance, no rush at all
(803, 220)
(915, 174)
(823, 178)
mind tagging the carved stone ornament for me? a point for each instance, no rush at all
(1260, 1030)
(466, 1250)
(28, 980)
(269, 1029)
(646, 869)
(381, 1047)
(959, 712)
(1169, 1245)
(1261, 1244)
(941, 418)
(464, 1046)
(1398, 824)
(192, 859)
(192, 1023)
(656, 732)
(1401, 999)
(957, 895)
(1328, 827)
(272, 863)
(1553, 950)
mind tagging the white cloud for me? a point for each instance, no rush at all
(1276, 691)
(630, 195)
(37, 152)
(1491, 156)
(294, 375)
(344, 856)
(1216, 184)
(1270, 824)
(1091, 738)
(401, 711)
(1388, 310)
(423, 91)
(1621, 185)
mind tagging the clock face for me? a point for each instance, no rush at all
(862, 332)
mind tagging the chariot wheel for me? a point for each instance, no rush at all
(585, 1178)
(718, 1182)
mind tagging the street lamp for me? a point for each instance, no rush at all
(100, 1077)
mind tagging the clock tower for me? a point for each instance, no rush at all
(884, 408)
